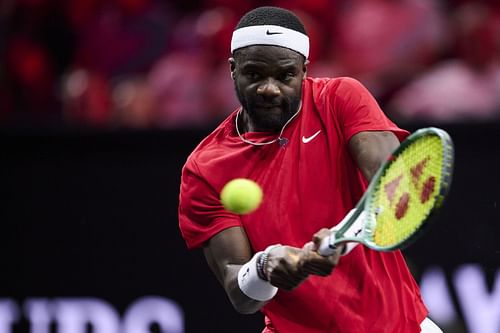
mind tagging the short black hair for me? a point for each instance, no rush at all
(268, 15)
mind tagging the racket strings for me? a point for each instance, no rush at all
(407, 191)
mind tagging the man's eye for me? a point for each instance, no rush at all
(252, 76)
(287, 76)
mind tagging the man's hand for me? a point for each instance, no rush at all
(283, 269)
(313, 262)
(287, 267)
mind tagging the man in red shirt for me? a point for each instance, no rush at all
(312, 145)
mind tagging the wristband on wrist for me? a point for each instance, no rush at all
(250, 282)
(261, 264)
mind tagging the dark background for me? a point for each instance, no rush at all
(95, 214)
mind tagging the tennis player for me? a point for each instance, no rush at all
(312, 144)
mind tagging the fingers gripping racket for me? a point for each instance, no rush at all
(402, 196)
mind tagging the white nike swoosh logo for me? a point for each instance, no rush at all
(309, 139)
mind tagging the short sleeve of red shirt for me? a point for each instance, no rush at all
(201, 215)
(357, 110)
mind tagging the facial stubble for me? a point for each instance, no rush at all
(269, 122)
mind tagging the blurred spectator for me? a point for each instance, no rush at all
(33, 52)
(215, 28)
(177, 82)
(30, 75)
(134, 105)
(87, 99)
(465, 87)
(385, 42)
(118, 39)
(155, 63)
(122, 37)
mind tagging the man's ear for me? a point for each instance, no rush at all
(304, 68)
(232, 66)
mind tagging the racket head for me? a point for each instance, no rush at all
(408, 190)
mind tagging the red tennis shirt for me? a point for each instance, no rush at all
(310, 183)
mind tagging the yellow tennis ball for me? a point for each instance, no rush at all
(241, 196)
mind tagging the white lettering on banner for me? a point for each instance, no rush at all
(143, 312)
(479, 305)
(37, 311)
(9, 314)
(436, 295)
(481, 309)
(73, 315)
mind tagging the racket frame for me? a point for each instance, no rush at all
(366, 235)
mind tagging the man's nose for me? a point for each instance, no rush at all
(269, 88)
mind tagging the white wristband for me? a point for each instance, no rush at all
(251, 284)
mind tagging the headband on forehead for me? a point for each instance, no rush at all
(270, 35)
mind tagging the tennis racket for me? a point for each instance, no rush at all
(403, 195)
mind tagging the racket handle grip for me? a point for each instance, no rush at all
(327, 246)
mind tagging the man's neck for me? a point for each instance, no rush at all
(247, 124)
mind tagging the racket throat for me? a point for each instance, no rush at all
(350, 229)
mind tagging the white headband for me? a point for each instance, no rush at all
(270, 35)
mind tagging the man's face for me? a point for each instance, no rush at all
(268, 83)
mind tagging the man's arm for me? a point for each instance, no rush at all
(370, 149)
(287, 267)
(225, 253)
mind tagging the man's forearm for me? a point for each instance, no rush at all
(241, 302)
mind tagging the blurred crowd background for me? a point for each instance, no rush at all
(163, 64)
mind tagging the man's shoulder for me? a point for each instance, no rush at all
(340, 88)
